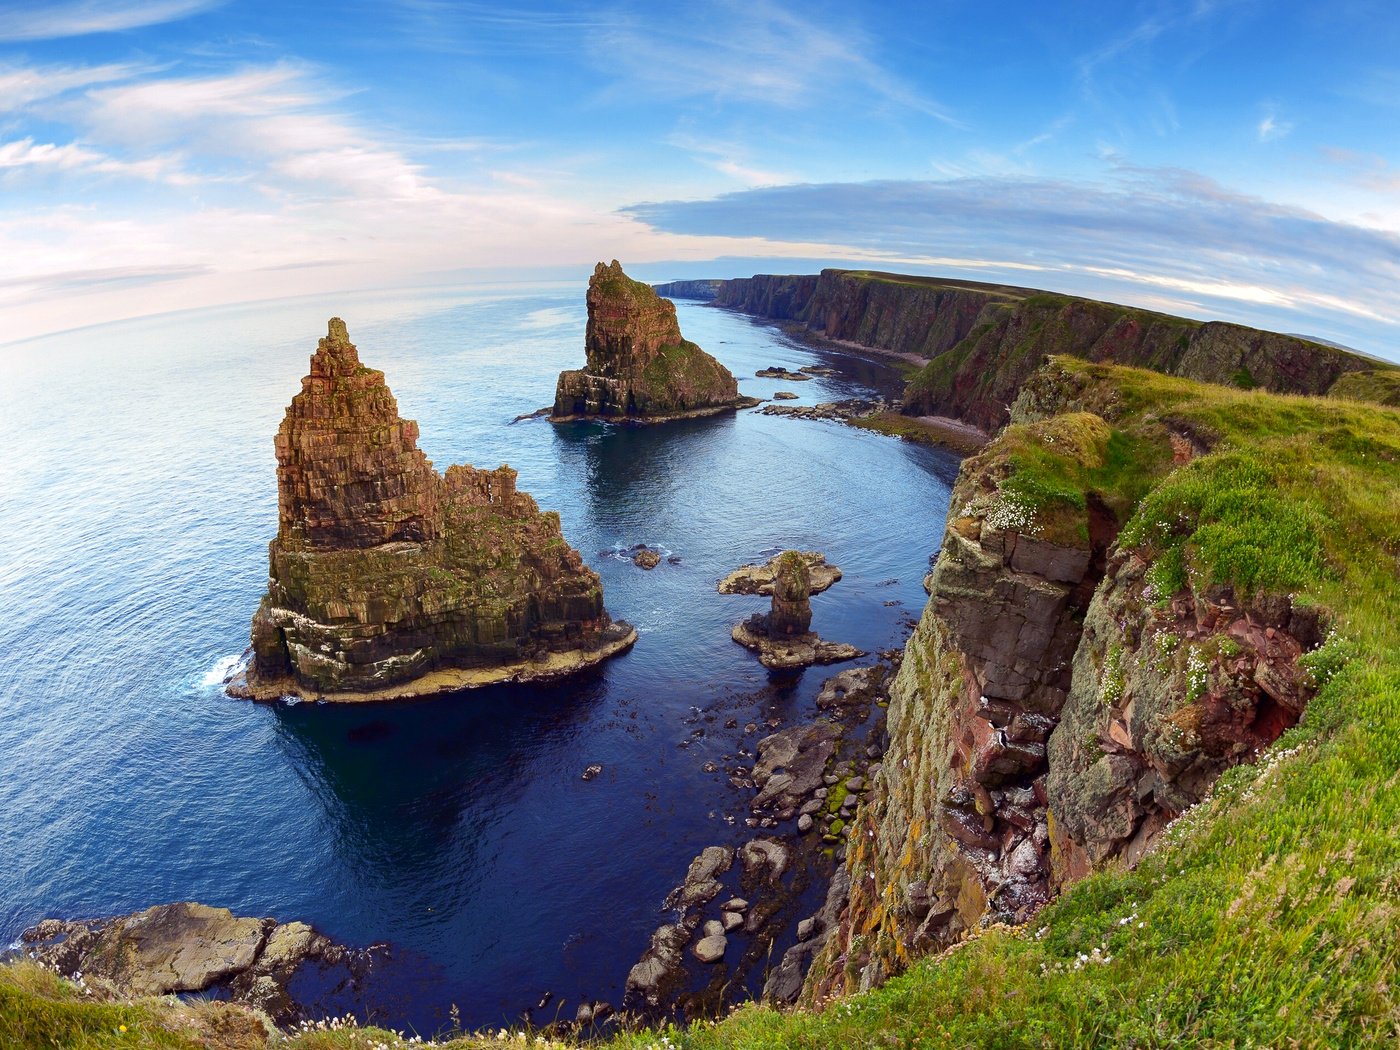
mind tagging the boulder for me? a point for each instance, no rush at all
(701, 885)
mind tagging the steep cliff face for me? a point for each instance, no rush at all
(1070, 688)
(388, 578)
(703, 289)
(983, 341)
(638, 366)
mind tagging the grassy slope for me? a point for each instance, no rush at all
(1272, 915)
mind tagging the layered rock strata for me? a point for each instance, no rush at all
(1053, 712)
(983, 341)
(782, 637)
(389, 579)
(758, 579)
(639, 368)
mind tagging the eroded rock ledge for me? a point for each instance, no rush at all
(1053, 712)
(783, 637)
(639, 368)
(388, 579)
(190, 947)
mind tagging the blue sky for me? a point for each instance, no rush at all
(1214, 158)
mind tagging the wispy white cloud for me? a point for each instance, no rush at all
(751, 51)
(22, 85)
(51, 21)
(728, 158)
(1271, 128)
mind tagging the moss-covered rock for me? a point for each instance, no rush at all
(639, 368)
(386, 577)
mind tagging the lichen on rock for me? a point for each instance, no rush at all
(639, 368)
(387, 578)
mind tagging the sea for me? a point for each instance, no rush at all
(137, 499)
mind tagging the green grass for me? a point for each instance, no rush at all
(1382, 387)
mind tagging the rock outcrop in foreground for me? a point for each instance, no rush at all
(388, 579)
(1067, 693)
(189, 947)
(639, 368)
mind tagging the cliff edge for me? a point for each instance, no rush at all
(639, 368)
(388, 579)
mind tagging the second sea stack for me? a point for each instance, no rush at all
(389, 579)
(639, 368)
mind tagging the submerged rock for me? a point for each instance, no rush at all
(639, 368)
(388, 579)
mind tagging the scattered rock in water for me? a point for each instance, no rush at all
(658, 965)
(818, 370)
(536, 414)
(835, 411)
(711, 949)
(758, 579)
(701, 885)
(764, 860)
(731, 920)
(853, 688)
(784, 395)
(804, 823)
(791, 763)
(591, 771)
(784, 983)
(646, 558)
(735, 904)
(778, 372)
(713, 928)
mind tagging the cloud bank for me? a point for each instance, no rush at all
(1164, 238)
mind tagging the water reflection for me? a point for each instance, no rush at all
(632, 467)
(419, 785)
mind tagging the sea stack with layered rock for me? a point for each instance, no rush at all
(783, 637)
(388, 579)
(639, 368)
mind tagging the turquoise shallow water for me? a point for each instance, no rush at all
(137, 496)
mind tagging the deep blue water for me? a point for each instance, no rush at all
(137, 496)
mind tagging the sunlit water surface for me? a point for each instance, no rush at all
(137, 496)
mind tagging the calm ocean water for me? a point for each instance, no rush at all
(137, 496)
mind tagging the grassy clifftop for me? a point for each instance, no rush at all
(1266, 916)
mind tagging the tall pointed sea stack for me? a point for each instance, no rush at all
(639, 368)
(388, 579)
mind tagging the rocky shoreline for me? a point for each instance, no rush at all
(613, 640)
(737, 903)
(187, 948)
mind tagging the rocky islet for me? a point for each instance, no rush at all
(387, 578)
(639, 368)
